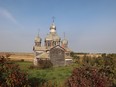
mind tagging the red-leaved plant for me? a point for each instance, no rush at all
(88, 77)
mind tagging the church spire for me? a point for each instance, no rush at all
(53, 27)
(53, 18)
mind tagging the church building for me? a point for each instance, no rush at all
(54, 49)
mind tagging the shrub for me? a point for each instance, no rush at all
(22, 60)
(11, 75)
(43, 64)
(31, 67)
(88, 77)
(37, 82)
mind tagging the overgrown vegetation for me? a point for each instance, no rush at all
(105, 64)
(42, 64)
(11, 75)
(89, 72)
(88, 77)
(53, 77)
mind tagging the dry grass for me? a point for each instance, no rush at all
(19, 56)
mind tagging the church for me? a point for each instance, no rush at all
(54, 49)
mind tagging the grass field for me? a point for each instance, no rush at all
(59, 75)
(20, 56)
(55, 74)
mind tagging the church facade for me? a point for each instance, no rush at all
(54, 49)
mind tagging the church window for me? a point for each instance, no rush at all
(49, 44)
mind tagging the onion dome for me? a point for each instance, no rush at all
(64, 41)
(37, 39)
(52, 26)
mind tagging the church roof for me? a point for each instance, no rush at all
(58, 46)
(42, 48)
(44, 55)
(52, 36)
(67, 49)
(49, 37)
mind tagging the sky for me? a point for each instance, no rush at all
(89, 25)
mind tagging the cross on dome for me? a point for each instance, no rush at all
(53, 18)
(53, 27)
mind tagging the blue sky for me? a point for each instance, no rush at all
(90, 25)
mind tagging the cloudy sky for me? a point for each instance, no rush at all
(89, 25)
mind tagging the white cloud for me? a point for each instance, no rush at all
(4, 13)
